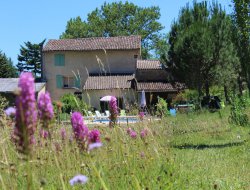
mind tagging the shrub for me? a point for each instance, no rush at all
(73, 103)
(3, 104)
(238, 115)
(162, 108)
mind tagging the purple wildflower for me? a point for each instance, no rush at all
(94, 145)
(45, 108)
(141, 115)
(63, 133)
(44, 134)
(94, 136)
(80, 130)
(78, 179)
(113, 111)
(10, 111)
(144, 133)
(26, 113)
(133, 134)
(129, 130)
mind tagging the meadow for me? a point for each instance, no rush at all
(189, 151)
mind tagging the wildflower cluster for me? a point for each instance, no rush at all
(133, 134)
(45, 113)
(83, 136)
(26, 114)
(113, 111)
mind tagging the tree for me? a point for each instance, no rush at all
(30, 58)
(199, 40)
(242, 37)
(7, 70)
(118, 19)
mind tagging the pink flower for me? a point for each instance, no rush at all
(144, 133)
(113, 111)
(45, 107)
(44, 134)
(26, 113)
(63, 133)
(80, 130)
(133, 134)
(129, 130)
(94, 136)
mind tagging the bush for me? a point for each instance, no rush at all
(3, 104)
(162, 108)
(73, 103)
(238, 115)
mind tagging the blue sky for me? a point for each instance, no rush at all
(32, 20)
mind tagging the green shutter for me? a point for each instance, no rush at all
(77, 82)
(59, 60)
(59, 81)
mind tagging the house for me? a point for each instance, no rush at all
(8, 86)
(102, 66)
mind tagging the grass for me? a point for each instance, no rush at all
(195, 151)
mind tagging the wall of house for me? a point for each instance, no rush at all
(85, 62)
(92, 97)
(153, 75)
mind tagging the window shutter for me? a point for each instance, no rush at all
(59, 60)
(59, 81)
(77, 82)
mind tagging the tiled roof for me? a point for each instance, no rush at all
(98, 43)
(156, 87)
(148, 64)
(9, 85)
(108, 82)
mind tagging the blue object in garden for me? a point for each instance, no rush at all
(172, 112)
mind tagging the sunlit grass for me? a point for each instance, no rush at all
(195, 151)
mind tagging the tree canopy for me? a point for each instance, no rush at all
(201, 49)
(119, 19)
(30, 58)
(241, 20)
(7, 70)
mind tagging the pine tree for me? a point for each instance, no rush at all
(30, 58)
(7, 70)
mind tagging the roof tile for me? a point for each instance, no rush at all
(97, 43)
(108, 82)
(148, 64)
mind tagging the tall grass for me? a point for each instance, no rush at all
(195, 151)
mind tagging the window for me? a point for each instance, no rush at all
(68, 82)
(135, 56)
(59, 59)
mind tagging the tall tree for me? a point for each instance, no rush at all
(242, 37)
(117, 19)
(199, 40)
(30, 58)
(7, 70)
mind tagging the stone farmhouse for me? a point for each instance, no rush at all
(96, 67)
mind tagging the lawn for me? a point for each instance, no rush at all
(194, 151)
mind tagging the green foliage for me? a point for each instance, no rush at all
(176, 154)
(7, 70)
(73, 103)
(238, 114)
(120, 19)
(3, 104)
(201, 49)
(241, 20)
(186, 96)
(162, 108)
(30, 58)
